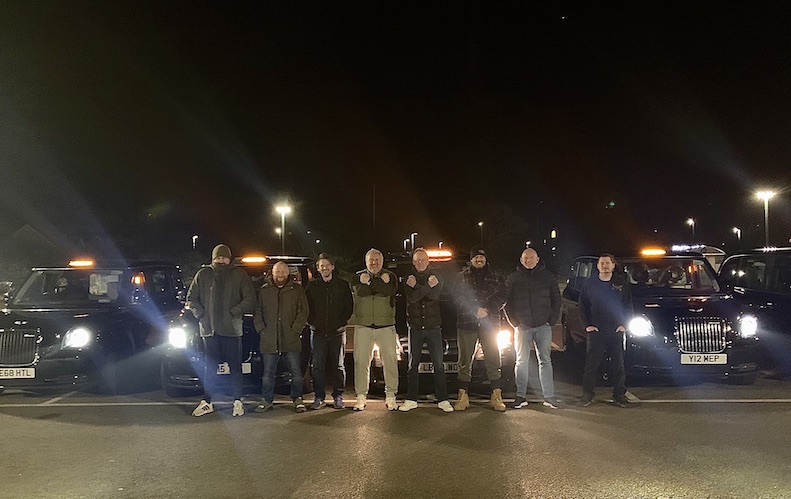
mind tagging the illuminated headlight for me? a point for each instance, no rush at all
(177, 337)
(503, 339)
(641, 327)
(748, 326)
(78, 337)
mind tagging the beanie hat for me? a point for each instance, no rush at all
(477, 250)
(221, 250)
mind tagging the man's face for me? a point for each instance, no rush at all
(373, 262)
(221, 260)
(280, 273)
(529, 259)
(478, 261)
(325, 268)
(420, 261)
(605, 265)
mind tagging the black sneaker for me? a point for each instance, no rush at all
(553, 403)
(622, 402)
(585, 402)
(520, 402)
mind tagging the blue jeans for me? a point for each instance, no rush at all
(433, 338)
(217, 349)
(541, 336)
(270, 367)
(335, 344)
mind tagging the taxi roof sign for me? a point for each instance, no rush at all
(653, 252)
(84, 262)
(254, 259)
(439, 255)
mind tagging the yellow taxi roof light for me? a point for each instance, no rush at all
(254, 259)
(138, 279)
(81, 263)
(439, 255)
(653, 252)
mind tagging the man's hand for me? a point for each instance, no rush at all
(411, 281)
(385, 277)
(591, 329)
(481, 313)
(365, 278)
(620, 329)
(432, 281)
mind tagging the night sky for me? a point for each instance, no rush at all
(147, 122)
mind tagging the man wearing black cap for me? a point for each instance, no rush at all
(218, 297)
(330, 304)
(479, 294)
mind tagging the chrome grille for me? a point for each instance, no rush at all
(700, 334)
(18, 348)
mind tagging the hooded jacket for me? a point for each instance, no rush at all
(280, 316)
(532, 297)
(218, 297)
(330, 304)
(478, 288)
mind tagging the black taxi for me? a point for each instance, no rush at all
(684, 323)
(183, 355)
(76, 324)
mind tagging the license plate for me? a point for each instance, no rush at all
(428, 367)
(224, 368)
(704, 358)
(17, 372)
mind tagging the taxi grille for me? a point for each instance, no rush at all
(17, 348)
(700, 334)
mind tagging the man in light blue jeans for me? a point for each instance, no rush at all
(532, 306)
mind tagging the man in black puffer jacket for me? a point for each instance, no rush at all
(532, 307)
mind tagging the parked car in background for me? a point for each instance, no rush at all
(82, 323)
(684, 323)
(184, 349)
(761, 281)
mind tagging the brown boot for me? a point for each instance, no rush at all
(463, 402)
(497, 400)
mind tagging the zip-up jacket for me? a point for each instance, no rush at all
(280, 316)
(478, 288)
(330, 305)
(218, 297)
(374, 303)
(532, 297)
(422, 301)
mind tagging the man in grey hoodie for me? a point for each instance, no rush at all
(218, 297)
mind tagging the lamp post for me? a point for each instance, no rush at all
(738, 233)
(480, 224)
(412, 240)
(194, 241)
(283, 210)
(691, 223)
(766, 196)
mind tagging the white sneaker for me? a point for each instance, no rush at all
(391, 403)
(445, 406)
(408, 405)
(360, 405)
(238, 408)
(203, 409)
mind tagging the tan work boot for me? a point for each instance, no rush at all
(497, 400)
(463, 402)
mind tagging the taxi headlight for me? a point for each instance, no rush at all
(748, 326)
(177, 337)
(641, 327)
(78, 337)
(503, 339)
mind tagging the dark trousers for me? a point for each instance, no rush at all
(217, 349)
(433, 338)
(599, 345)
(335, 345)
(271, 361)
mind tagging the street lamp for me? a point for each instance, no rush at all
(738, 233)
(194, 241)
(691, 223)
(412, 239)
(766, 196)
(283, 210)
(480, 224)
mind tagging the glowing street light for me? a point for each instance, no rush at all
(738, 233)
(283, 210)
(691, 223)
(412, 239)
(480, 224)
(766, 196)
(194, 241)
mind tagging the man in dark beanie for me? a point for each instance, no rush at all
(218, 297)
(330, 304)
(479, 294)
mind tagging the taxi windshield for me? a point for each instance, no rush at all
(69, 287)
(671, 276)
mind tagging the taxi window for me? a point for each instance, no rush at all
(780, 275)
(69, 287)
(671, 276)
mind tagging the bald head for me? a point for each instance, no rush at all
(280, 274)
(529, 258)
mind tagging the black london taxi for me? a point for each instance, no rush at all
(184, 349)
(684, 323)
(74, 325)
(761, 281)
(443, 261)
